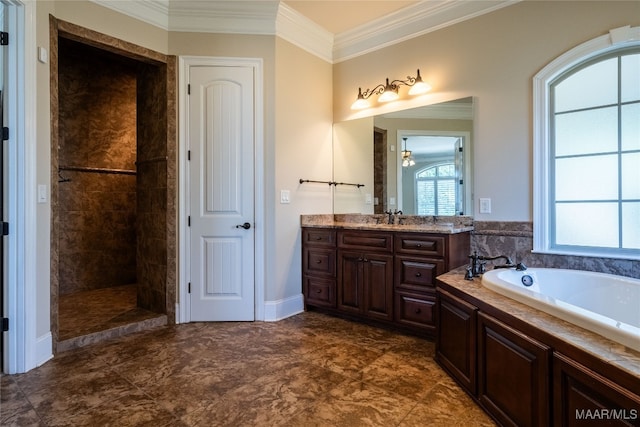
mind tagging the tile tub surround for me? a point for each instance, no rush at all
(515, 239)
(599, 347)
(307, 370)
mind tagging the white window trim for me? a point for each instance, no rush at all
(616, 39)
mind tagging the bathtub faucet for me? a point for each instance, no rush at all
(478, 264)
(476, 267)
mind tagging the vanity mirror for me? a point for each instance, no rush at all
(416, 160)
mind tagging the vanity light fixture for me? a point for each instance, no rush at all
(389, 91)
(407, 159)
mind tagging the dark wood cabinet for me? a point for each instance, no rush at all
(513, 374)
(365, 274)
(521, 375)
(456, 339)
(319, 267)
(581, 397)
(386, 276)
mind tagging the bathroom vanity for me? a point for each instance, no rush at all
(379, 272)
(528, 368)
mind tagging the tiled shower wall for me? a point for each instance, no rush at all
(152, 189)
(97, 207)
(515, 239)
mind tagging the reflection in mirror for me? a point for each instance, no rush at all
(416, 160)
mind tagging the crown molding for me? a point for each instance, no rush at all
(273, 17)
(227, 17)
(409, 22)
(304, 33)
(154, 12)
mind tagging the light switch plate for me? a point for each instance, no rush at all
(42, 193)
(285, 196)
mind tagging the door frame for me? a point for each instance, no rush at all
(183, 305)
(23, 349)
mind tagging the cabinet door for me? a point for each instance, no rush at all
(456, 338)
(513, 374)
(350, 271)
(582, 397)
(378, 286)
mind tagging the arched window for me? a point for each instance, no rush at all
(587, 150)
(436, 190)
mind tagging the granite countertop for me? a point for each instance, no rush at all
(405, 223)
(610, 351)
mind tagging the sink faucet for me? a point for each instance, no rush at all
(398, 212)
(390, 213)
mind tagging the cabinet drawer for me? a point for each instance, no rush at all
(420, 244)
(415, 310)
(319, 261)
(417, 274)
(319, 291)
(366, 240)
(318, 237)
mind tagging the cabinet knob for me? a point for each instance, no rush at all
(418, 311)
(318, 291)
(318, 237)
(419, 245)
(318, 261)
(418, 274)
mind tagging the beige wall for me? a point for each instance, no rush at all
(493, 58)
(303, 118)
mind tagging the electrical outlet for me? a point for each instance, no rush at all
(485, 205)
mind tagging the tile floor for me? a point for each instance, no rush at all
(307, 370)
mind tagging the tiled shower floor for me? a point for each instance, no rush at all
(91, 316)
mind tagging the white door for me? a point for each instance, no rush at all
(221, 180)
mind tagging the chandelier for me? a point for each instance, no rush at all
(407, 158)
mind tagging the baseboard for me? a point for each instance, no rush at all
(281, 309)
(44, 349)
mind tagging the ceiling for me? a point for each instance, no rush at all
(339, 16)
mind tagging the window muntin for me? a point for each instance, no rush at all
(436, 190)
(594, 155)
